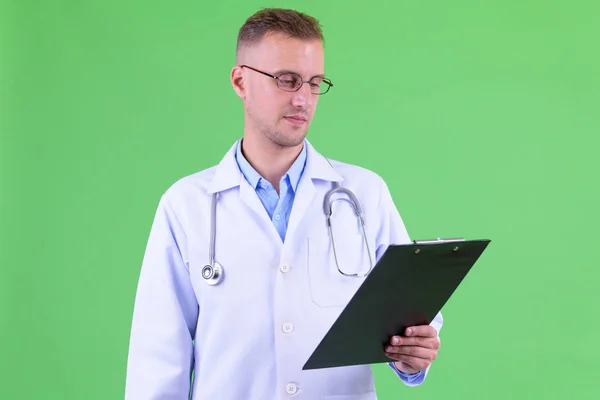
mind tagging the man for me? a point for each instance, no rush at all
(248, 334)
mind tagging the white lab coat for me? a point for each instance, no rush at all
(254, 331)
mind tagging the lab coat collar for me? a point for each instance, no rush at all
(228, 175)
(253, 177)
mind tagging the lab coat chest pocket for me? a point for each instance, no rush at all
(328, 286)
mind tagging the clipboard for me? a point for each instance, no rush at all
(408, 286)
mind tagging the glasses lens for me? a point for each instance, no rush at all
(293, 82)
(289, 82)
(318, 86)
(323, 87)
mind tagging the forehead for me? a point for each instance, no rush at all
(277, 52)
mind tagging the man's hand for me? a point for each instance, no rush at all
(415, 351)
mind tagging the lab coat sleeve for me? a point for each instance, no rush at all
(165, 312)
(391, 230)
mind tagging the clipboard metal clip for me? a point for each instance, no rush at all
(438, 240)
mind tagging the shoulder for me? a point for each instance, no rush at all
(358, 176)
(369, 186)
(191, 186)
(378, 206)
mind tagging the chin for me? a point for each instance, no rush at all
(289, 139)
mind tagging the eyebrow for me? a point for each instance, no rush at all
(287, 71)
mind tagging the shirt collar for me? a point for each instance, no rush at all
(253, 177)
(226, 174)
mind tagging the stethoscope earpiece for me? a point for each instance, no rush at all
(212, 274)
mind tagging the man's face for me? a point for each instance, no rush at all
(281, 117)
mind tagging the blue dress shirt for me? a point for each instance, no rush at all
(279, 207)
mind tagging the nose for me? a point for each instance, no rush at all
(303, 97)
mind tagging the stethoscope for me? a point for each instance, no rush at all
(213, 273)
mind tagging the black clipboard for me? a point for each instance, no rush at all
(408, 286)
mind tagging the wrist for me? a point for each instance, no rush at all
(403, 369)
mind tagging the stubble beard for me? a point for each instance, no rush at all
(284, 140)
(277, 137)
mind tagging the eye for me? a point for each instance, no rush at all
(289, 80)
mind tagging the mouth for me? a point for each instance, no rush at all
(296, 119)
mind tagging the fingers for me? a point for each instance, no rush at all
(411, 351)
(414, 357)
(428, 342)
(417, 349)
(421, 330)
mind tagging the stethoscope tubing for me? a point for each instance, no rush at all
(213, 273)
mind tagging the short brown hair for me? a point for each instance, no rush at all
(278, 20)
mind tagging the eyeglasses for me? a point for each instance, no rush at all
(292, 82)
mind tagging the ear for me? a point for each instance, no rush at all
(237, 81)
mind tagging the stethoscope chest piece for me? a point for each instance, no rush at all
(212, 274)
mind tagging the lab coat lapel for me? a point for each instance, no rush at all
(228, 175)
(317, 167)
(251, 200)
(304, 196)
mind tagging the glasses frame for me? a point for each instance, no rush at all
(302, 81)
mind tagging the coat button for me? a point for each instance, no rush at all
(287, 327)
(290, 388)
(284, 268)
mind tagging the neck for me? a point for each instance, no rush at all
(268, 159)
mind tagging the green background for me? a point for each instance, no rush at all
(483, 117)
